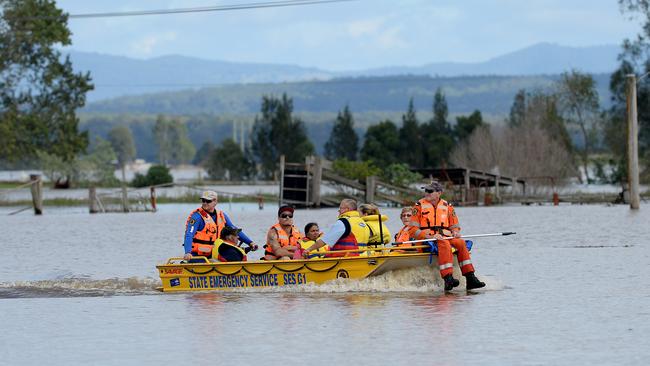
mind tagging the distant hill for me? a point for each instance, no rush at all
(539, 59)
(118, 76)
(492, 95)
(115, 76)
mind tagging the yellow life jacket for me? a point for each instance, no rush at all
(227, 252)
(355, 237)
(373, 224)
(306, 243)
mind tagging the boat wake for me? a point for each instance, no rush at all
(79, 287)
(419, 279)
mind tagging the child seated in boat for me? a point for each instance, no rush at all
(312, 233)
(226, 248)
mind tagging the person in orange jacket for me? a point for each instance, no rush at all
(404, 233)
(283, 238)
(434, 218)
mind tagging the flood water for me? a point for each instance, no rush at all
(572, 287)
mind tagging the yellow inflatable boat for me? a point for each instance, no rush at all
(179, 276)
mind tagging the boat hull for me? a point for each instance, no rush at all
(259, 274)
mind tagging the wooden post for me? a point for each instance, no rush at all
(497, 192)
(92, 200)
(632, 143)
(281, 195)
(371, 183)
(464, 192)
(125, 197)
(316, 181)
(153, 198)
(37, 193)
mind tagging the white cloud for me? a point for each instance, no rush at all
(390, 38)
(146, 45)
(365, 27)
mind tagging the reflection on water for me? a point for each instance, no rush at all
(562, 291)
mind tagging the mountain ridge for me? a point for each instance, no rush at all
(116, 76)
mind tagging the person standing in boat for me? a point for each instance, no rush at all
(434, 217)
(204, 226)
(379, 233)
(283, 238)
(349, 232)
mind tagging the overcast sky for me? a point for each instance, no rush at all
(350, 35)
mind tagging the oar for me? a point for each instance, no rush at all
(460, 237)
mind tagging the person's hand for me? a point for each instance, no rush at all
(187, 256)
(253, 246)
(437, 236)
(305, 254)
(457, 234)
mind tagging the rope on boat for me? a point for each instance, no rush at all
(273, 266)
(322, 270)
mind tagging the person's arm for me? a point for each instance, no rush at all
(332, 235)
(453, 222)
(272, 241)
(195, 224)
(242, 236)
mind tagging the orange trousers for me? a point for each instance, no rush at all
(446, 258)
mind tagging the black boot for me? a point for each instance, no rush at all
(450, 282)
(473, 282)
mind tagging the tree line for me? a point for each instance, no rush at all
(560, 132)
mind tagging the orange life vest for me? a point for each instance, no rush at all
(203, 241)
(437, 218)
(403, 235)
(284, 239)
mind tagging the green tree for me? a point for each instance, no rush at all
(437, 134)
(343, 141)
(157, 174)
(98, 166)
(174, 145)
(121, 140)
(411, 149)
(635, 59)
(39, 90)
(578, 98)
(203, 153)
(465, 125)
(400, 175)
(229, 162)
(542, 110)
(357, 170)
(518, 109)
(276, 132)
(381, 144)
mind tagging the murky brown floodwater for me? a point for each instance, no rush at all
(571, 288)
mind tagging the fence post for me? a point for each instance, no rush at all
(92, 200)
(37, 193)
(125, 198)
(152, 189)
(371, 182)
(632, 143)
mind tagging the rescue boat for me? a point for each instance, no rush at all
(176, 275)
